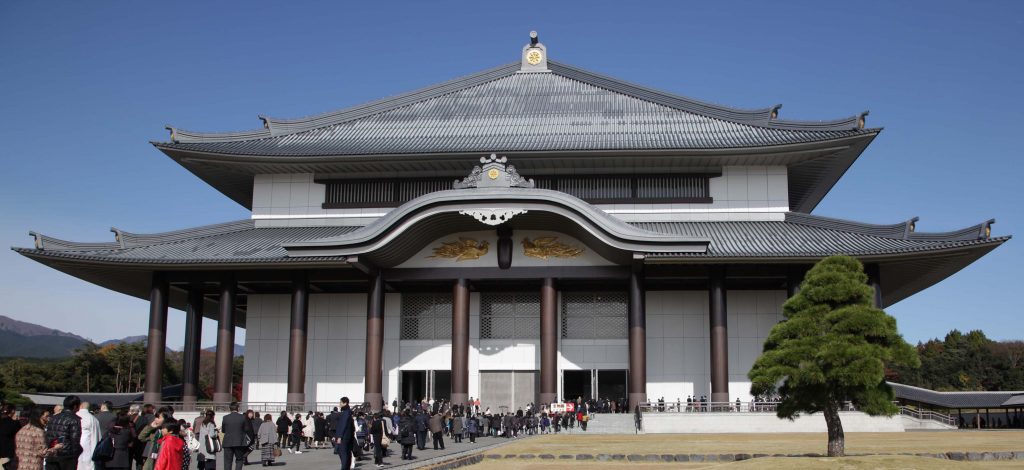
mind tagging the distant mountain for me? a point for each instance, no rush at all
(21, 339)
(239, 349)
(127, 340)
(31, 329)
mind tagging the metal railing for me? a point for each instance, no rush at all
(711, 407)
(928, 415)
(260, 407)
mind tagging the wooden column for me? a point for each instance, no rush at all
(719, 335)
(548, 342)
(374, 389)
(875, 280)
(297, 341)
(637, 383)
(225, 342)
(193, 338)
(157, 342)
(460, 342)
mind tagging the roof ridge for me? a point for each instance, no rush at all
(131, 240)
(898, 230)
(274, 127)
(761, 117)
(48, 243)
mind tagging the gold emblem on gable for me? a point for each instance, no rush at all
(549, 247)
(493, 173)
(462, 250)
(534, 56)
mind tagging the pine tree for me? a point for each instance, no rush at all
(834, 346)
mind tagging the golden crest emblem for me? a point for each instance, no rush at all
(493, 173)
(549, 247)
(534, 56)
(461, 250)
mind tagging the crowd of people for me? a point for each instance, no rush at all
(78, 435)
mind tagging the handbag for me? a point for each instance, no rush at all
(212, 444)
(277, 452)
(384, 440)
(104, 451)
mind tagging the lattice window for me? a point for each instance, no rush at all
(510, 315)
(426, 316)
(594, 315)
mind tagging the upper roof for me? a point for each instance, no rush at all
(506, 111)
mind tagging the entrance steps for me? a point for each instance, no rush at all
(735, 422)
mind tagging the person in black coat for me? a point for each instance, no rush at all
(376, 434)
(344, 434)
(422, 423)
(238, 433)
(406, 434)
(284, 426)
(122, 436)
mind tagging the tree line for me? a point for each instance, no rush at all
(115, 368)
(965, 362)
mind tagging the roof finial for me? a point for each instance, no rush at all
(535, 55)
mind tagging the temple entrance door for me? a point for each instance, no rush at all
(611, 384)
(441, 384)
(413, 384)
(577, 383)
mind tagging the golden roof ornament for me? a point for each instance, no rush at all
(464, 249)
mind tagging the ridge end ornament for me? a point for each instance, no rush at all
(493, 172)
(463, 249)
(493, 216)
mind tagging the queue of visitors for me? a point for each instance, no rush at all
(145, 437)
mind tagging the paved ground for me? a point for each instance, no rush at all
(318, 459)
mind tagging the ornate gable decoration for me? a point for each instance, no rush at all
(493, 173)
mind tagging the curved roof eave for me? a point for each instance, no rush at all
(603, 227)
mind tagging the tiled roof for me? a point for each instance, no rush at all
(799, 236)
(499, 110)
(955, 399)
(803, 235)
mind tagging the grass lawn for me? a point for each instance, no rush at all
(783, 443)
(868, 462)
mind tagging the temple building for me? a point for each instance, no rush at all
(530, 233)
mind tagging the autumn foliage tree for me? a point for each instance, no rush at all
(833, 346)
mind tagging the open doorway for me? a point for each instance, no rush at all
(413, 385)
(611, 384)
(576, 384)
(442, 389)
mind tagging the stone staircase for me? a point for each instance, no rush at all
(603, 423)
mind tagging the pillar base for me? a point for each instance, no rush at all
(296, 401)
(719, 398)
(460, 399)
(152, 397)
(636, 399)
(223, 397)
(188, 403)
(546, 398)
(375, 400)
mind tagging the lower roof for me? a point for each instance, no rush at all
(909, 261)
(955, 400)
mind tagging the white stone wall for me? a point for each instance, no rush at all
(335, 350)
(678, 340)
(741, 193)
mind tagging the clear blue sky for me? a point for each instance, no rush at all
(84, 86)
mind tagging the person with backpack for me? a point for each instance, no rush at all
(122, 436)
(172, 453)
(406, 434)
